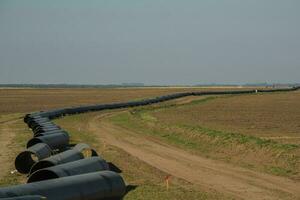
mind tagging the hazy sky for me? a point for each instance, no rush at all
(149, 41)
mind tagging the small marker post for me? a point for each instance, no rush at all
(167, 180)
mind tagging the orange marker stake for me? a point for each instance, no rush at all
(167, 179)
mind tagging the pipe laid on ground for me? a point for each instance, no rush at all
(44, 129)
(50, 132)
(91, 186)
(31, 124)
(27, 197)
(55, 141)
(41, 117)
(82, 166)
(51, 114)
(64, 157)
(26, 159)
(85, 149)
(36, 125)
(33, 116)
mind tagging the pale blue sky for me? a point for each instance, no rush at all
(153, 41)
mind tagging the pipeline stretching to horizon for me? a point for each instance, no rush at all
(59, 171)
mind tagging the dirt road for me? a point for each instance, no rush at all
(238, 182)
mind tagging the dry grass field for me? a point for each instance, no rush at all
(29, 100)
(271, 116)
(217, 147)
(259, 132)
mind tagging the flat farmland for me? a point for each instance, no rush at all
(212, 147)
(259, 132)
(273, 116)
(14, 134)
(29, 100)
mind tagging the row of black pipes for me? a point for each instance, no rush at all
(59, 171)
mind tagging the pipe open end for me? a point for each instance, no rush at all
(94, 153)
(24, 161)
(86, 150)
(41, 175)
(87, 153)
(41, 165)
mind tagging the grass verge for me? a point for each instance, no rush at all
(13, 124)
(144, 181)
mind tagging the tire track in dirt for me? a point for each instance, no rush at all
(238, 182)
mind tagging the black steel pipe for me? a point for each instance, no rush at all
(40, 123)
(31, 121)
(91, 186)
(27, 197)
(65, 157)
(44, 129)
(82, 166)
(49, 133)
(35, 125)
(31, 116)
(60, 112)
(55, 141)
(85, 149)
(51, 114)
(41, 129)
(26, 159)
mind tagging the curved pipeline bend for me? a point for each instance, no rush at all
(70, 173)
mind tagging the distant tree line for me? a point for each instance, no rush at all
(69, 85)
(128, 85)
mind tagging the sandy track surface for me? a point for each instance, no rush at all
(235, 181)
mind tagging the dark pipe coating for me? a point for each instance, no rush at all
(91, 186)
(55, 141)
(81, 166)
(26, 159)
